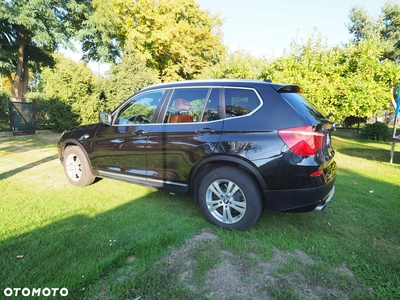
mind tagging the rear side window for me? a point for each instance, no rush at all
(212, 111)
(186, 105)
(240, 102)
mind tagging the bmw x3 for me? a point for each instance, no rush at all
(231, 144)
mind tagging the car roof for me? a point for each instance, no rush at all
(218, 82)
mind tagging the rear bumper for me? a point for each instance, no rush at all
(300, 200)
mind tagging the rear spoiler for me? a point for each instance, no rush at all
(285, 88)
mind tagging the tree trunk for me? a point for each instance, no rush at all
(18, 90)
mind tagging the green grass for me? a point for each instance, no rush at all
(111, 239)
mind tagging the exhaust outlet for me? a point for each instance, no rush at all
(322, 205)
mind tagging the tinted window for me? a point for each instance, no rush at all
(140, 109)
(212, 111)
(303, 106)
(239, 102)
(186, 105)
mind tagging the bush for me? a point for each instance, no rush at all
(51, 113)
(376, 132)
(351, 121)
(4, 119)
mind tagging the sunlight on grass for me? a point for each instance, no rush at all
(114, 234)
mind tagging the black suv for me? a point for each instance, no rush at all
(229, 143)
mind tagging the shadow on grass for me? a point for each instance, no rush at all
(28, 142)
(81, 252)
(76, 251)
(376, 154)
(8, 174)
(371, 150)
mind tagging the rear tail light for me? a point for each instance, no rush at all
(303, 141)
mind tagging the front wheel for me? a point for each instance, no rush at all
(76, 167)
(230, 198)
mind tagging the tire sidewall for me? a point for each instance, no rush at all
(249, 188)
(87, 176)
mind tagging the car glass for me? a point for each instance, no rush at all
(140, 109)
(186, 105)
(239, 102)
(303, 106)
(212, 111)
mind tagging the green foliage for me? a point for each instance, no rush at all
(391, 29)
(30, 31)
(4, 107)
(124, 79)
(175, 37)
(73, 89)
(347, 81)
(52, 113)
(237, 64)
(362, 26)
(376, 132)
(99, 33)
(59, 115)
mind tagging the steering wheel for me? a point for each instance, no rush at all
(139, 119)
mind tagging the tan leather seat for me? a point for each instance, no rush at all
(183, 111)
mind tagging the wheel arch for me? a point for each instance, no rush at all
(71, 143)
(215, 162)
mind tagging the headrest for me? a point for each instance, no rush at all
(182, 104)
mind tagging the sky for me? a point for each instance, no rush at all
(266, 27)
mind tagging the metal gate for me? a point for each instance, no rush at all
(22, 117)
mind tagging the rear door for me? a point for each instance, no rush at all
(189, 129)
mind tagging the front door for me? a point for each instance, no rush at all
(121, 147)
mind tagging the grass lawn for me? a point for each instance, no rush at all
(114, 240)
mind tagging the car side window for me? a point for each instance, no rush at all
(212, 111)
(239, 102)
(139, 109)
(186, 105)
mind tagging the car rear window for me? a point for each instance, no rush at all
(304, 107)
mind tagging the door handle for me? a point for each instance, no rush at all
(205, 130)
(140, 132)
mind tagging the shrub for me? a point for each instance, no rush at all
(4, 118)
(351, 121)
(376, 131)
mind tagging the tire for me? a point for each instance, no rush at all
(76, 167)
(239, 210)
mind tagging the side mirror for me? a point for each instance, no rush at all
(105, 117)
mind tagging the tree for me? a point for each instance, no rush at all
(175, 37)
(73, 91)
(126, 78)
(348, 81)
(362, 26)
(388, 26)
(391, 30)
(30, 32)
(237, 64)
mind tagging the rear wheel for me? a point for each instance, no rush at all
(76, 167)
(230, 198)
